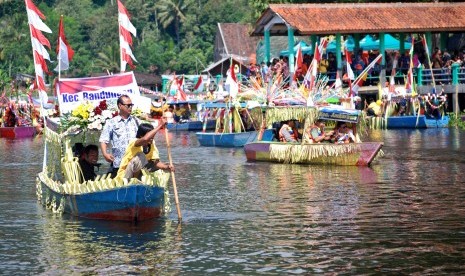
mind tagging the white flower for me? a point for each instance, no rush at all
(107, 114)
(91, 114)
(99, 127)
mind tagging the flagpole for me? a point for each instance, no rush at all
(429, 63)
(367, 69)
(59, 51)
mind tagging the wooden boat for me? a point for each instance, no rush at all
(224, 137)
(17, 132)
(232, 139)
(191, 125)
(421, 121)
(58, 186)
(356, 154)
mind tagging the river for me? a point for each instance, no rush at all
(403, 215)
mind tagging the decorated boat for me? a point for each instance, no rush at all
(421, 121)
(60, 185)
(236, 125)
(183, 117)
(357, 154)
(18, 119)
(18, 132)
(188, 125)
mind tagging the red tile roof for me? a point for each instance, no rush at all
(309, 19)
(237, 39)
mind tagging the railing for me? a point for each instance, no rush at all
(422, 77)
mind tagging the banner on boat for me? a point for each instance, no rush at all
(73, 92)
(344, 115)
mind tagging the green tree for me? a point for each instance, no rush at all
(172, 12)
(109, 59)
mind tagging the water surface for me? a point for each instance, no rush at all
(403, 215)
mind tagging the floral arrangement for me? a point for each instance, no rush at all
(86, 116)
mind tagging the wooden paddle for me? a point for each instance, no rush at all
(176, 199)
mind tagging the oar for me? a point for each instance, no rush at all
(176, 199)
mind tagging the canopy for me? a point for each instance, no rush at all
(348, 43)
(368, 43)
(391, 43)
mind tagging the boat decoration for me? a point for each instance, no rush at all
(306, 152)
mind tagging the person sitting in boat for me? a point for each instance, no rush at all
(9, 120)
(345, 135)
(434, 106)
(288, 132)
(142, 153)
(317, 134)
(374, 108)
(88, 161)
(169, 115)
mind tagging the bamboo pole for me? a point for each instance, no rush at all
(176, 199)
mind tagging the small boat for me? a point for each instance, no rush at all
(17, 132)
(354, 154)
(230, 119)
(59, 189)
(350, 154)
(191, 125)
(421, 121)
(232, 139)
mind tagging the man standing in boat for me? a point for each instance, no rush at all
(118, 131)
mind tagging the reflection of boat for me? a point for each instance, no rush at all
(359, 154)
(59, 189)
(231, 139)
(421, 121)
(18, 132)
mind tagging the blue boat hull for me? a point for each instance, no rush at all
(411, 122)
(128, 203)
(230, 140)
(192, 125)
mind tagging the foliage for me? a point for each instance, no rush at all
(457, 121)
(171, 34)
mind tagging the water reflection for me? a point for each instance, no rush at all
(91, 245)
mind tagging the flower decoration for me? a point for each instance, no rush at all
(86, 116)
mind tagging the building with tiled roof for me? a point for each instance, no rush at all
(234, 40)
(308, 19)
(425, 20)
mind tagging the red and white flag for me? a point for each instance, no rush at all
(38, 41)
(350, 73)
(199, 86)
(178, 85)
(125, 30)
(299, 61)
(231, 80)
(64, 51)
